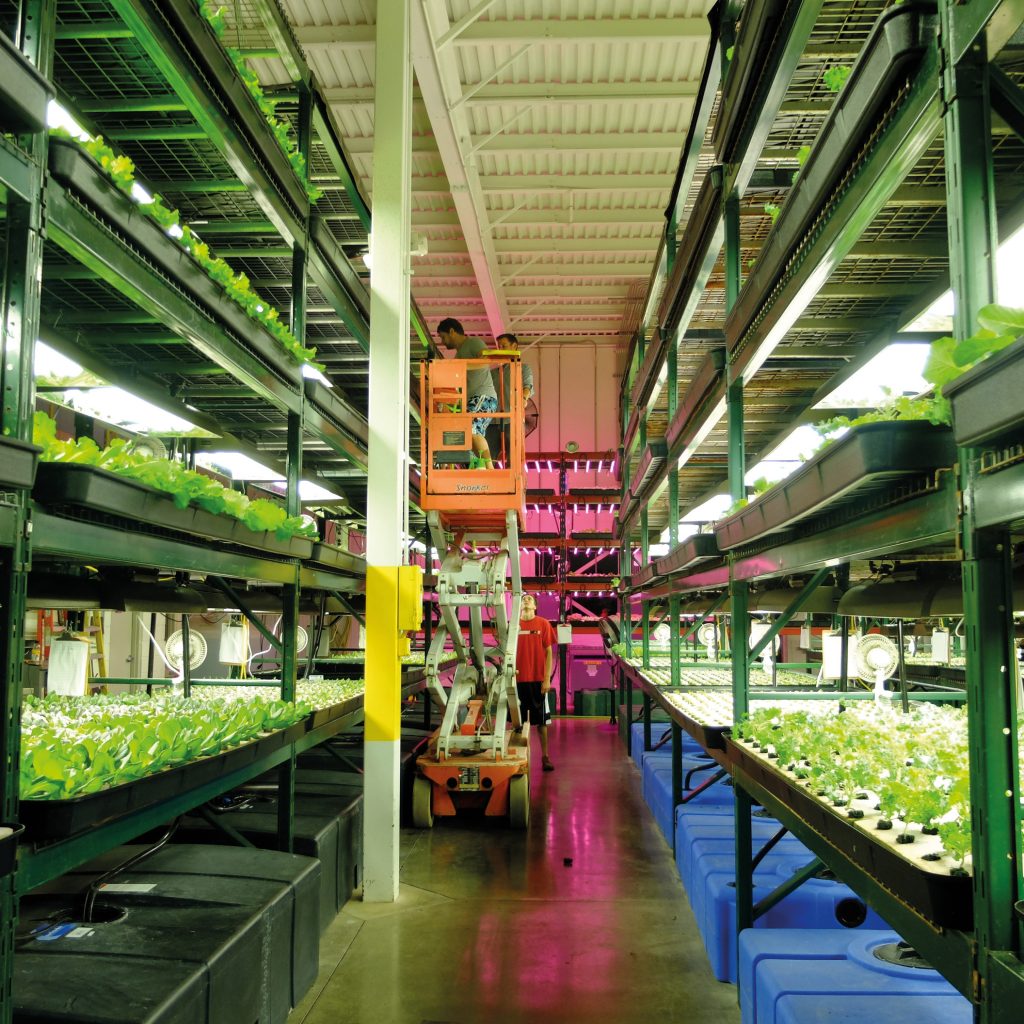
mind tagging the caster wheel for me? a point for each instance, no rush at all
(422, 803)
(519, 801)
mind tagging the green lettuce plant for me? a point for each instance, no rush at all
(214, 15)
(317, 695)
(121, 171)
(915, 765)
(185, 486)
(998, 326)
(71, 746)
(931, 408)
(836, 76)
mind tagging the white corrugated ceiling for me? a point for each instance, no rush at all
(561, 122)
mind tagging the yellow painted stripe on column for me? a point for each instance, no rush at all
(383, 661)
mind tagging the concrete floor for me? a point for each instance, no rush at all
(495, 926)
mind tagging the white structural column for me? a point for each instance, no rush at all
(438, 81)
(388, 480)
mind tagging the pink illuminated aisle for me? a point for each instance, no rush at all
(582, 919)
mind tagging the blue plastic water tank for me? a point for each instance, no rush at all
(713, 833)
(658, 730)
(814, 976)
(657, 789)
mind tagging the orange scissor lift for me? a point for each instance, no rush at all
(480, 755)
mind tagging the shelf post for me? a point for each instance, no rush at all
(388, 480)
(672, 394)
(739, 590)
(987, 566)
(19, 323)
(293, 501)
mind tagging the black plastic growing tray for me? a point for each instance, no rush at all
(892, 51)
(24, 92)
(9, 848)
(704, 382)
(867, 458)
(693, 249)
(758, 25)
(696, 549)
(79, 173)
(710, 737)
(18, 461)
(644, 383)
(650, 464)
(338, 558)
(986, 400)
(57, 819)
(329, 714)
(102, 491)
(942, 898)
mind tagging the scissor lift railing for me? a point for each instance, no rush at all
(474, 515)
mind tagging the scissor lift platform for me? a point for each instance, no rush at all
(480, 755)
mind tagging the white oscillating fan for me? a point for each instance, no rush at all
(174, 650)
(301, 639)
(150, 446)
(708, 636)
(876, 658)
(663, 634)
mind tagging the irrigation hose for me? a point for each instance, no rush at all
(92, 892)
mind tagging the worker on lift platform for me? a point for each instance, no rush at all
(480, 754)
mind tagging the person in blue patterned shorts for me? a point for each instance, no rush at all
(482, 396)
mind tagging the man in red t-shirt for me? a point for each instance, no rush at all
(533, 670)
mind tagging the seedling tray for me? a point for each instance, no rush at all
(24, 92)
(696, 549)
(940, 897)
(693, 251)
(18, 459)
(893, 49)
(102, 491)
(750, 63)
(9, 848)
(650, 464)
(986, 400)
(58, 819)
(76, 170)
(329, 714)
(703, 383)
(867, 458)
(645, 377)
(338, 558)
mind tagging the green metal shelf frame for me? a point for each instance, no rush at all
(89, 241)
(240, 133)
(22, 171)
(950, 952)
(950, 90)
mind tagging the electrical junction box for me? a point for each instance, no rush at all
(234, 644)
(940, 645)
(832, 656)
(410, 598)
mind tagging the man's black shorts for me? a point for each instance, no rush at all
(532, 703)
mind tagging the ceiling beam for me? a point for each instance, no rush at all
(597, 271)
(531, 142)
(536, 30)
(449, 218)
(504, 246)
(438, 81)
(524, 142)
(544, 94)
(524, 293)
(562, 183)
